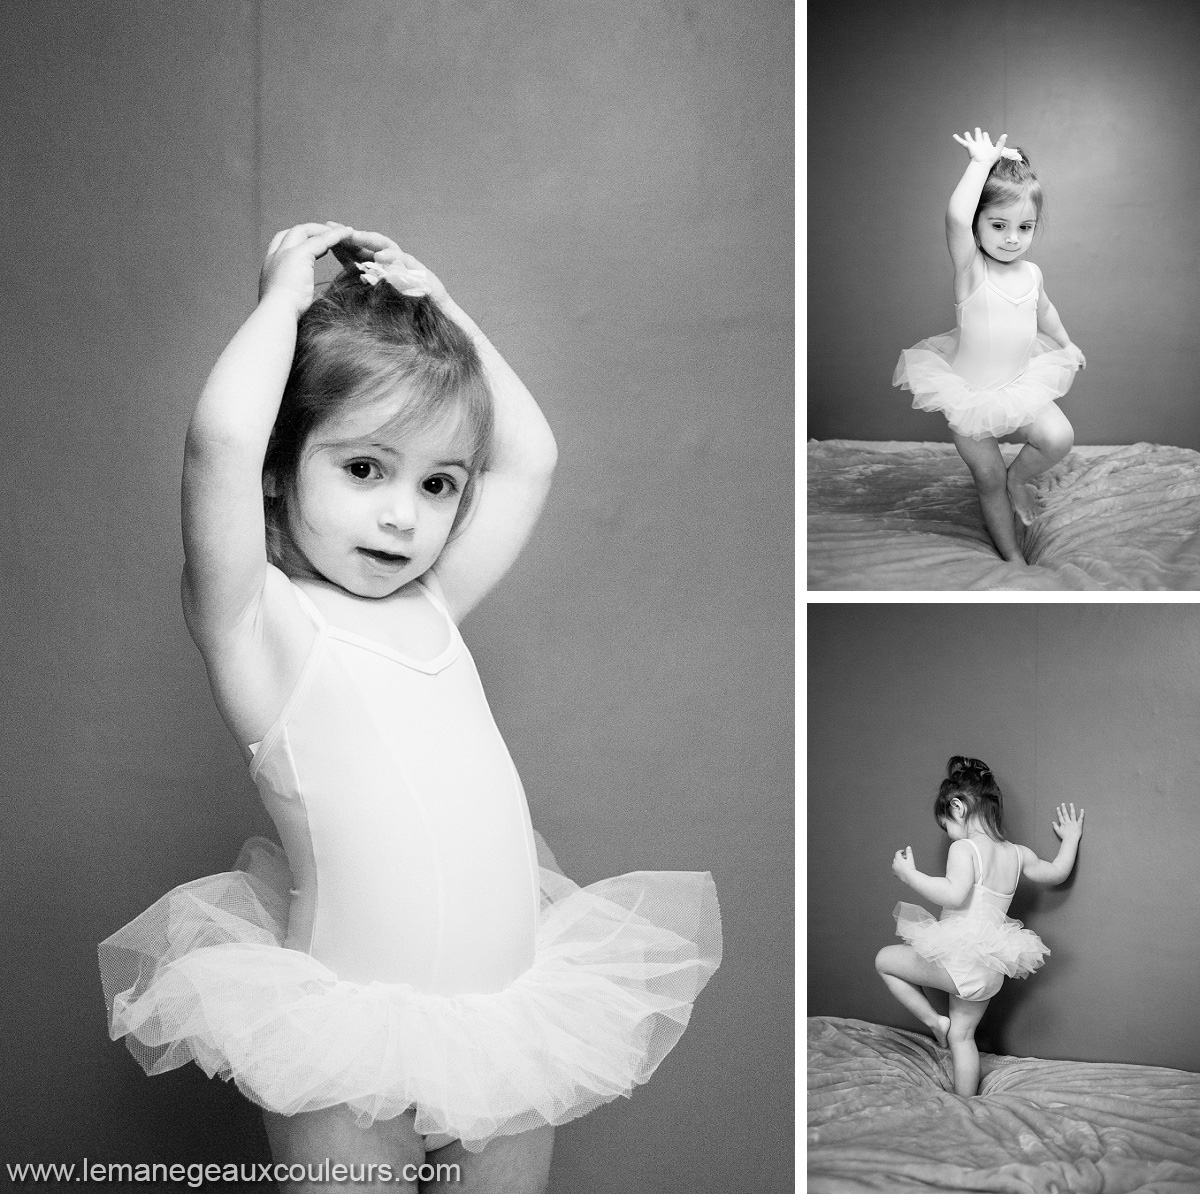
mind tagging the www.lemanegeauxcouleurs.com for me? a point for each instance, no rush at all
(197, 1174)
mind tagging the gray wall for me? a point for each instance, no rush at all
(607, 189)
(1104, 96)
(1092, 704)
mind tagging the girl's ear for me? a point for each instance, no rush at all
(270, 485)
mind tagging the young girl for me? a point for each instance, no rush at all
(974, 945)
(994, 375)
(359, 472)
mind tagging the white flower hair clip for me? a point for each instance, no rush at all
(413, 283)
(1015, 154)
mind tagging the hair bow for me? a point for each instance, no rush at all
(414, 283)
(1015, 154)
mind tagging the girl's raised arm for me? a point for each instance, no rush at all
(224, 535)
(960, 215)
(1069, 828)
(511, 492)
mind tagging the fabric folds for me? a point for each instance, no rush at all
(203, 975)
(987, 936)
(925, 369)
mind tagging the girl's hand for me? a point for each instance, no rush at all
(291, 261)
(1082, 358)
(1068, 826)
(980, 147)
(378, 258)
(903, 865)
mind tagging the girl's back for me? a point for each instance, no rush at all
(997, 870)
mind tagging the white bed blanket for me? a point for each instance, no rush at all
(906, 516)
(883, 1119)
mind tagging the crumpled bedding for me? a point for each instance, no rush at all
(894, 515)
(882, 1116)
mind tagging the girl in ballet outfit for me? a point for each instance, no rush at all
(402, 989)
(970, 950)
(1009, 357)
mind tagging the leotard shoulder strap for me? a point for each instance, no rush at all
(978, 856)
(979, 881)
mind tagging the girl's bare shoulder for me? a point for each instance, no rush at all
(253, 669)
(968, 279)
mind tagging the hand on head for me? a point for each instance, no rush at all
(1067, 825)
(980, 147)
(290, 266)
(377, 258)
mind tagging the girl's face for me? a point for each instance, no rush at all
(1005, 233)
(372, 509)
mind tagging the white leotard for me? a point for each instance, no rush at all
(402, 815)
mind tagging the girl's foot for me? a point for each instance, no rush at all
(1021, 497)
(941, 1027)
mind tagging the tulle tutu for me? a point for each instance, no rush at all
(203, 975)
(978, 413)
(986, 936)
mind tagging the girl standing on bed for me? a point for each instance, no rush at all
(994, 374)
(970, 950)
(404, 989)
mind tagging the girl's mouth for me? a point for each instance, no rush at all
(389, 559)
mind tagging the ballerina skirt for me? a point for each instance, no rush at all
(979, 413)
(203, 975)
(986, 937)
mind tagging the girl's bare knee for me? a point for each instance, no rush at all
(960, 1033)
(990, 478)
(1056, 440)
(1060, 443)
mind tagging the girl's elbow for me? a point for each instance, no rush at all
(954, 898)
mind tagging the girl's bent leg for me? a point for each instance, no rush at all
(305, 1141)
(512, 1164)
(904, 973)
(1047, 440)
(965, 1015)
(987, 467)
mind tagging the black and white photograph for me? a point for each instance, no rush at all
(398, 601)
(1003, 295)
(1026, 774)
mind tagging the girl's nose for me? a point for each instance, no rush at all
(399, 513)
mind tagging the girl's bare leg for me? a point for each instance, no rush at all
(904, 973)
(991, 476)
(513, 1164)
(1047, 440)
(965, 1015)
(309, 1138)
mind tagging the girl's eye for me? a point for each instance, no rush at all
(441, 486)
(363, 470)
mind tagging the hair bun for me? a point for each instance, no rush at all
(961, 766)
